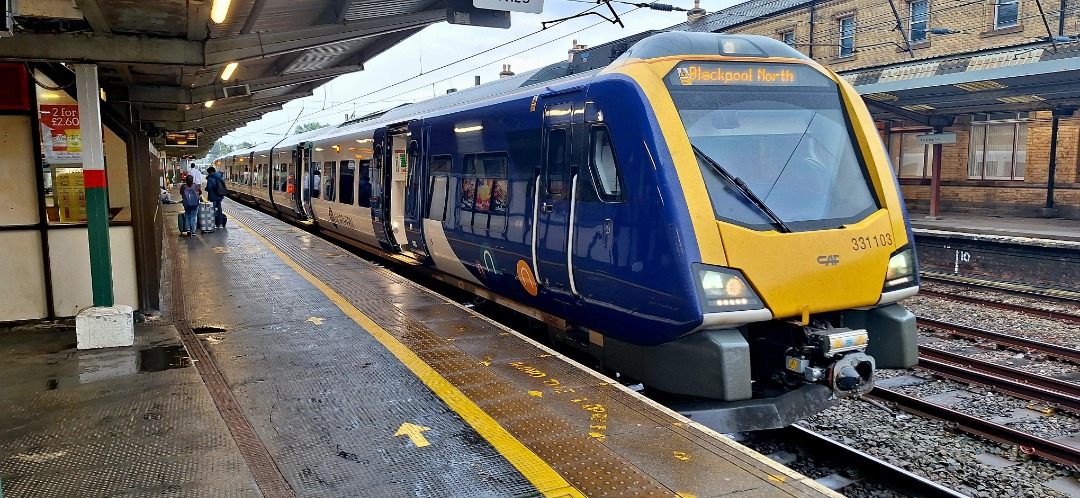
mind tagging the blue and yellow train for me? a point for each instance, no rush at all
(712, 215)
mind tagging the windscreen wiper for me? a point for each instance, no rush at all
(744, 189)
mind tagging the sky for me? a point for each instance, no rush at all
(410, 71)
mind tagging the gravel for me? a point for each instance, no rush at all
(930, 448)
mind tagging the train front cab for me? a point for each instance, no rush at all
(798, 261)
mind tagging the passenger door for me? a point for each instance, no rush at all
(415, 188)
(380, 196)
(552, 210)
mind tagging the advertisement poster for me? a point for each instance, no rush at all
(60, 133)
(71, 197)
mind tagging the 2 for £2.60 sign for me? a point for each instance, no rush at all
(529, 6)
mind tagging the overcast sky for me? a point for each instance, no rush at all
(408, 71)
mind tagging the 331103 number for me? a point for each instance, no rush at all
(879, 240)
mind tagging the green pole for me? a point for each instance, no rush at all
(97, 194)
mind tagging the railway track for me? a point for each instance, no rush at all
(1053, 350)
(1002, 305)
(891, 476)
(1001, 286)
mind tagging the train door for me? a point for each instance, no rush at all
(307, 179)
(552, 210)
(379, 181)
(416, 150)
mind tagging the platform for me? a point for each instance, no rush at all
(286, 366)
(1050, 229)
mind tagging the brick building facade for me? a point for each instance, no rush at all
(1000, 161)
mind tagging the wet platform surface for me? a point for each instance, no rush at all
(318, 373)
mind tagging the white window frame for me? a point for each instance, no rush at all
(788, 37)
(997, 14)
(977, 151)
(896, 153)
(850, 38)
(912, 22)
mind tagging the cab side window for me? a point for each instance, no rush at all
(607, 177)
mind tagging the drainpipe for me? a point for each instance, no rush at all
(813, 10)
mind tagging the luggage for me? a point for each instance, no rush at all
(206, 217)
(181, 223)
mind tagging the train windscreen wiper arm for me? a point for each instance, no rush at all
(743, 189)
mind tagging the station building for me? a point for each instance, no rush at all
(997, 80)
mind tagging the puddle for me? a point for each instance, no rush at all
(162, 358)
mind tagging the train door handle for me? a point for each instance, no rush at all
(547, 208)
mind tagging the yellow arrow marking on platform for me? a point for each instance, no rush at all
(220, 250)
(413, 431)
(537, 394)
(316, 320)
(682, 455)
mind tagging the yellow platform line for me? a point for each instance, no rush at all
(531, 466)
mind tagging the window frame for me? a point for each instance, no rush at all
(977, 165)
(841, 37)
(594, 172)
(997, 14)
(897, 155)
(912, 22)
(784, 38)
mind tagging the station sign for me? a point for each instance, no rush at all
(529, 6)
(185, 139)
(936, 138)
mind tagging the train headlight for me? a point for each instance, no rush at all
(724, 289)
(901, 272)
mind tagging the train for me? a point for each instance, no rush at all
(713, 216)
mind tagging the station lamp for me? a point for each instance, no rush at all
(218, 10)
(226, 75)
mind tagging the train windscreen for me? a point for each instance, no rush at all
(773, 144)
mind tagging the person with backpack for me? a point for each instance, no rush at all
(190, 195)
(215, 192)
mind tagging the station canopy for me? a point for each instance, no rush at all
(165, 58)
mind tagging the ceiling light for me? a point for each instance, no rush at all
(208, 104)
(917, 107)
(976, 86)
(226, 75)
(468, 129)
(881, 97)
(218, 11)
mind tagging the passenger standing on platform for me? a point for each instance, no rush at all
(215, 192)
(190, 193)
(196, 176)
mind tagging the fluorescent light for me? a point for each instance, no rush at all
(468, 129)
(208, 104)
(218, 11)
(226, 75)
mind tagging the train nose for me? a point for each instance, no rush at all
(853, 375)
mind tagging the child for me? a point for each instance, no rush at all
(190, 194)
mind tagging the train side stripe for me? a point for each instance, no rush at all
(531, 466)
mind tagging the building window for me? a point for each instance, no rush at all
(910, 159)
(847, 37)
(998, 150)
(1006, 13)
(788, 37)
(920, 15)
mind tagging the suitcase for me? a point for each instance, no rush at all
(181, 223)
(206, 217)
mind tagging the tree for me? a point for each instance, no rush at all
(314, 125)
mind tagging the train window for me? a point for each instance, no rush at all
(347, 176)
(557, 175)
(438, 190)
(605, 167)
(316, 177)
(366, 188)
(329, 184)
(484, 185)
